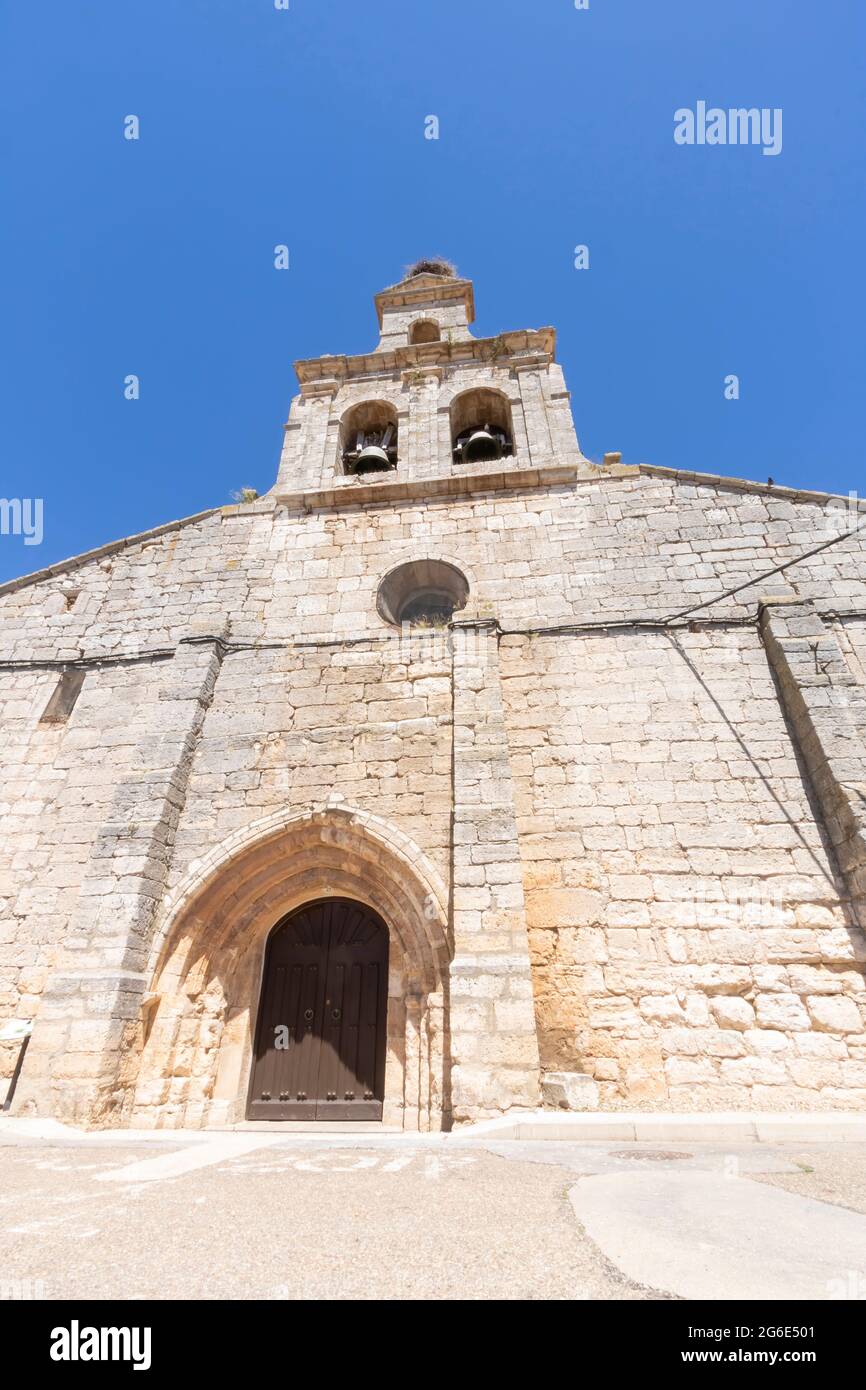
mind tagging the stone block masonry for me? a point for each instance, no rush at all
(826, 705)
(690, 929)
(611, 810)
(91, 1006)
(494, 1046)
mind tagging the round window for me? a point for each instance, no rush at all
(423, 593)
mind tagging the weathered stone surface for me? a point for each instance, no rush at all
(835, 1014)
(732, 1012)
(602, 847)
(569, 1090)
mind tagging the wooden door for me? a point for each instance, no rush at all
(321, 1030)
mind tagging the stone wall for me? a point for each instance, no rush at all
(690, 940)
(687, 834)
(60, 786)
(851, 635)
(578, 549)
(290, 727)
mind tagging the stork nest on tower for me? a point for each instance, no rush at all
(434, 265)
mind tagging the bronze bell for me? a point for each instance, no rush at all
(371, 459)
(482, 445)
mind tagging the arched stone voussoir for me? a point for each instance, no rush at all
(287, 857)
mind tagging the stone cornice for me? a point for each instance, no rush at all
(455, 485)
(449, 485)
(524, 347)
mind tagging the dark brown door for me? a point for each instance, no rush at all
(320, 1036)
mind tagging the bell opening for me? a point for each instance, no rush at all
(424, 331)
(481, 444)
(368, 438)
(481, 426)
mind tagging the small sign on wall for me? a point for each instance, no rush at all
(16, 1030)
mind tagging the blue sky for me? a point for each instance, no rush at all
(306, 127)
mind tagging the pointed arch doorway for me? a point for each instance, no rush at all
(321, 1031)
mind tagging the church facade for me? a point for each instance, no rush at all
(456, 773)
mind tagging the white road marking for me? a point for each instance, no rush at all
(395, 1164)
(314, 1165)
(328, 1160)
(175, 1165)
(437, 1164)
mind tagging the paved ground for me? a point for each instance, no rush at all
(253, 1215)
(721, 1237)
(838, 1177)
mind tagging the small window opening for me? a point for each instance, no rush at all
(62, 702)
(424, 331)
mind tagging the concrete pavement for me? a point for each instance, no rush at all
(285, 1221)
(262, 1213)
(710, 1235)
